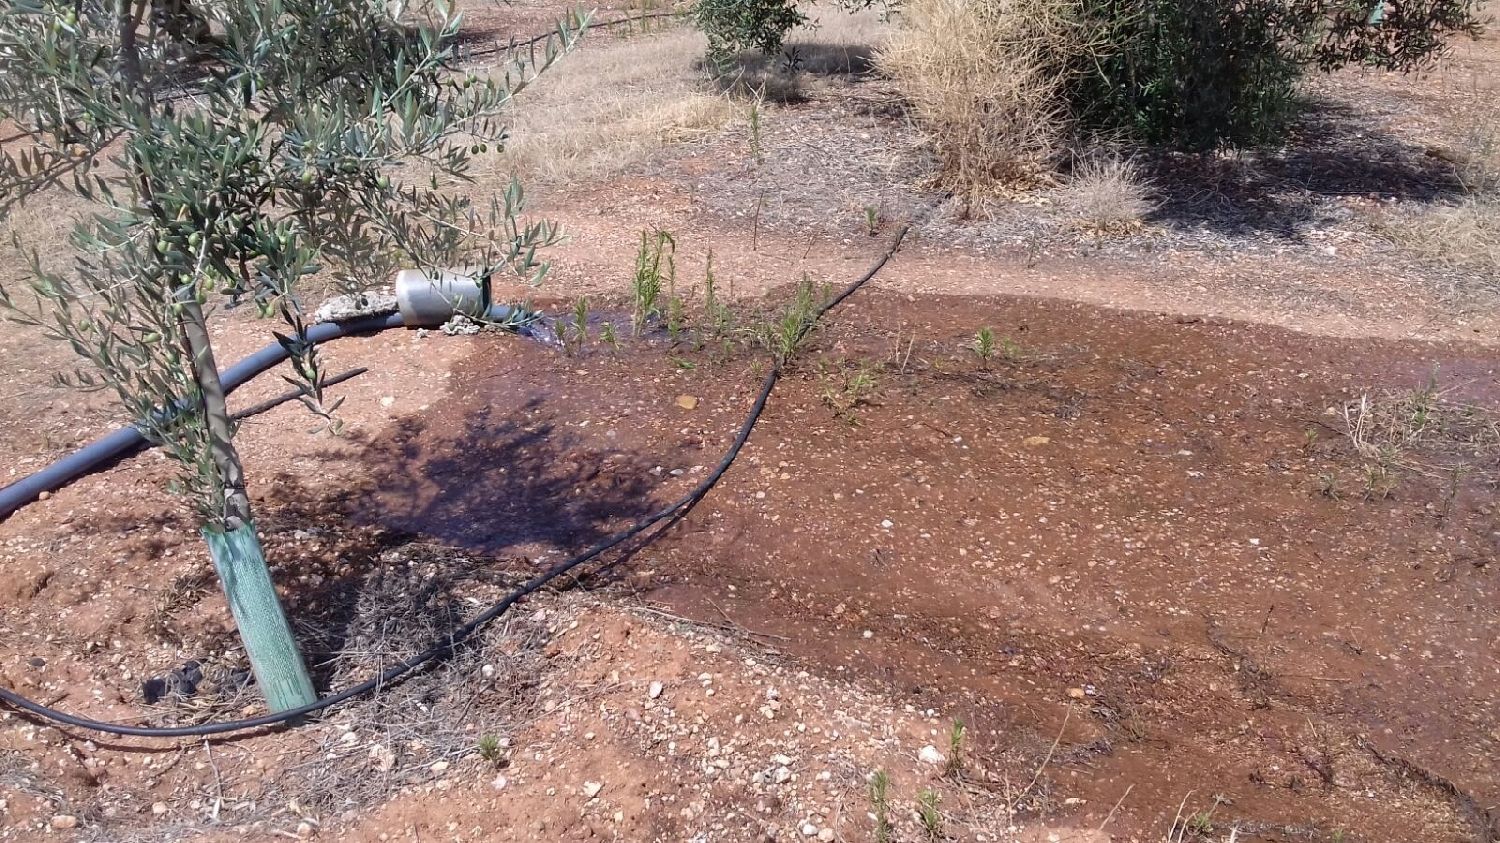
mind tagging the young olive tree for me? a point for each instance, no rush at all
(735, 26)
(231, 149)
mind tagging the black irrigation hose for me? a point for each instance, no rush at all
(513, 45)
(452, 640)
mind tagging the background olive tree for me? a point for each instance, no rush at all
(232, 149)
(1214, 73)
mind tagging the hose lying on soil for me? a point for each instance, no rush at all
(450, 642)
(128, 440)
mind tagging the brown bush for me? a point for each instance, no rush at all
(983, 80)
(1107, 194)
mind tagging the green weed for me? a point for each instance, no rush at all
(756, 147)
(580, 322)
(932, 818)
(489, 748)
(847, 394)
(786, 333)
(655, 271)
(957, 734)
(880, 805)
(984, 343)
(1328, 486)
(608, 337)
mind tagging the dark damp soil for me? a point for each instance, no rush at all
(1138, 547)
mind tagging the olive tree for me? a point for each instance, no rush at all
(230, 150)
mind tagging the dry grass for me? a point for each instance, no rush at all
(1464, 234)
(1422, 432)
(983, 82)
(1107, 194)
(608, 106)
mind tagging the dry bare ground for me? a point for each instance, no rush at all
(1052, 543)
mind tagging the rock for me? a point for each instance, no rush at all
(687, 402)
(304, 830)
(387, 400)
(592, 789)
(1076, 693)
(1035, 441)
(158, 808)
(439, 766)
(44, 496)
(654, 690)
(825, 835)
(64, 821)
(383, 756)
(929, 755)
(343, 307)
(782, 760)
(809, 830)
(500, 782)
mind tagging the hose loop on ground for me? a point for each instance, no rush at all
(450, 642)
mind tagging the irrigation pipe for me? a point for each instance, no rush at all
(450, 642)
(128, 440)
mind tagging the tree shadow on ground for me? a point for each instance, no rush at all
(450, 503)
(499, 481)
(780, 78)
(1334, 153)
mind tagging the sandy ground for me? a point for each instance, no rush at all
(1115, 553)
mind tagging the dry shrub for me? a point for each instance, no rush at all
(1465, 234)
(984, 81)
(1107, 194)
(1479, 167)
(608, 106)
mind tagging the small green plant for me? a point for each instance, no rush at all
(1380, 477)
(1338, 836)
(852, 391)
(932, 818)
(957, 733)
(608, 337)
(676, 318)
(756, 148)
(580, 323)
(489, 748)
(1309, 440)
(880, 805)
(1201, 823)
(1328, 486)
(785, 334)
(718, 316)
(872, 220)
(655, 271)
(984, 343)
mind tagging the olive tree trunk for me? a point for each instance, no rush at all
(238, 558)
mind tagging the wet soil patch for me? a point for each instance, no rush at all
(1116, 534)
